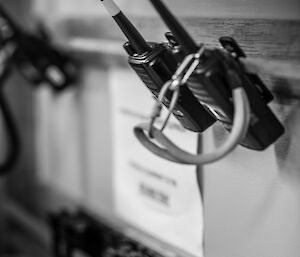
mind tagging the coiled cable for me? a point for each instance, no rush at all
(171, 152)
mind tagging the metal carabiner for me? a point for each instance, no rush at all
(180, 77)
(194, 65)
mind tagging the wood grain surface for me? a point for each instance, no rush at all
(270, 9)
(272, 40)
(277, 39)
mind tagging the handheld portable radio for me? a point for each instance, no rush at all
(209, 84)
(155, 64)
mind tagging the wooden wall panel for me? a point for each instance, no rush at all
(270, 9)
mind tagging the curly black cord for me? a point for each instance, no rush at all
(11, 131)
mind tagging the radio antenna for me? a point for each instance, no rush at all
(134, 37)
(185, 40)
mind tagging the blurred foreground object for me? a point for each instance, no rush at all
(38, 61)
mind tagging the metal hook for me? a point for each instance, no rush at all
(180, 77)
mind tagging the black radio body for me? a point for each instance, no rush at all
(211, 81)
(155, 68)
(210, 85)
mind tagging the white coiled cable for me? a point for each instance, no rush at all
(172, 152)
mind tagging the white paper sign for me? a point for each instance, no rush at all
(157, 196)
